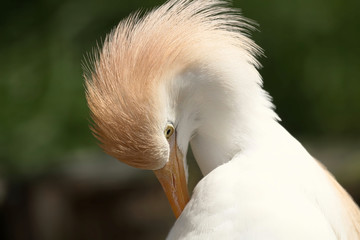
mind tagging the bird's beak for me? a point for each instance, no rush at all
(173, 181)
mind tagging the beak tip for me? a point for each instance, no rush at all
(173, 181)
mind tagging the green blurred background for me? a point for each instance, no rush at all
(54, 181)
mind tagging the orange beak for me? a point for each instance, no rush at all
(172, 179)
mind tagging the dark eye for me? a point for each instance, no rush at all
(169, 130)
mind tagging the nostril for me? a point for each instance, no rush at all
(173, 180)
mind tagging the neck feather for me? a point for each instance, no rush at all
(220, 108)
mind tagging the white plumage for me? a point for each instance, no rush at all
(189, 65)
(259, 183)
(275, 191)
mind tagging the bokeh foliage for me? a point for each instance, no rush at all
(312, 70)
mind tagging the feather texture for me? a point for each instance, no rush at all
(143, 52)
(193, 64)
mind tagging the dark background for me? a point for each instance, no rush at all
(55, 183)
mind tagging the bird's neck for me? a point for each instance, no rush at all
(221, 109)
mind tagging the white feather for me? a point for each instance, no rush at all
(259, 183)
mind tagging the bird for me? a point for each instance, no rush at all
(185, 75)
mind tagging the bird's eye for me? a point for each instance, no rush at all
(169, 130)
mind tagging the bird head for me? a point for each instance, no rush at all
(127, 99)
(135, 91)
(126, 93)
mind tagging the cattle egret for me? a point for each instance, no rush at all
(186, 73)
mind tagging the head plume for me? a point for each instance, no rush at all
(140, 54)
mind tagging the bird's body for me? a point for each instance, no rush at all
(186, 74)
(277, 191)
